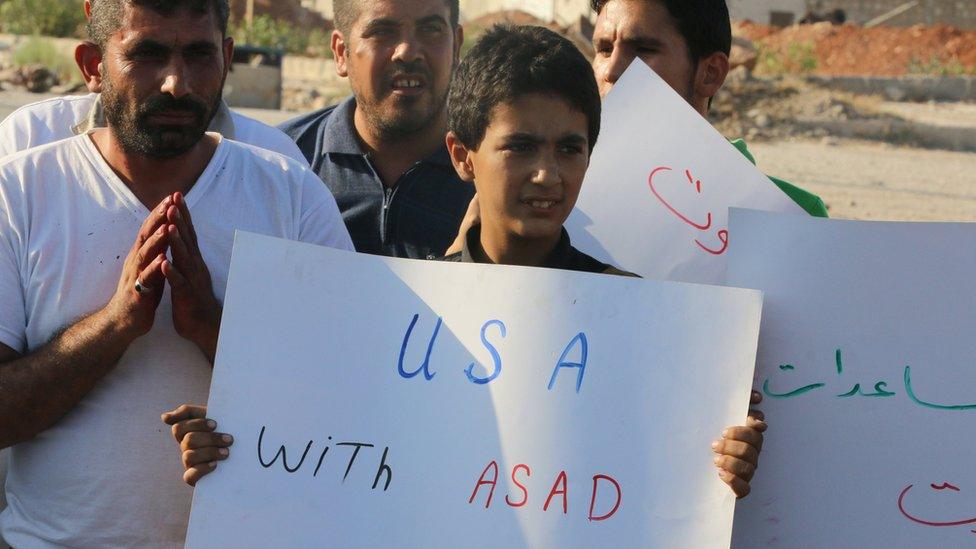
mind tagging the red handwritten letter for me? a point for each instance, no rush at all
(494, 481)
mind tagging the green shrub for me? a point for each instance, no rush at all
(269, 32)
(36, 50)
(65, 18)
(799, 58)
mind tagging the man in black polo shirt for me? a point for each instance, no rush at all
(381, 152)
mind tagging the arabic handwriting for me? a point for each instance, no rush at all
(926, 522)
(722, 234)
(920, 402)
(794, 392)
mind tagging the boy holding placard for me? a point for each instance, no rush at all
(524, 113)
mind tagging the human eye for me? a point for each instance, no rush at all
(571, 149)
(147, 53)
(519, 147)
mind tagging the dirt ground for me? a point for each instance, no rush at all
(874, 181)
(850, 50)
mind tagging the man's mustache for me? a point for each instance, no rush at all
(169, 103)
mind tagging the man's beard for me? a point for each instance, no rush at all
(137, 134)
(409, 119)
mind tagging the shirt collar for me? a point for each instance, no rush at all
(560, 257)
(339, 135)
(222, 123)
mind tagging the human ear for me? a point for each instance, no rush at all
(712, 71)
(458, 42)
(88, 57)
(339, 52)
(460, 157)
(228, 54)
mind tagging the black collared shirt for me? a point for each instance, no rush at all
(564, 257)
(418, 217)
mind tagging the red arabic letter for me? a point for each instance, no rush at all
(650, 182)
(723, 235)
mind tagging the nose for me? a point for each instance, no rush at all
(408, 50)
(546, 173)
(174, 78)
(615, 65)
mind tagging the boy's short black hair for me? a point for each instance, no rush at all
(511, 61)
(704, 24)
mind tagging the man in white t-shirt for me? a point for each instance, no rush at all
(110, 292)
(62, 117)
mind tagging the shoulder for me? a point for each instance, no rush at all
(42, 155)
(254, 132)
(44, 121)
(296, 128)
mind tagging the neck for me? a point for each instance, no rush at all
(392, 157)
(504, 248)
(153, 179)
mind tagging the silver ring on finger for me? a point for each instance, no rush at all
(142, 288)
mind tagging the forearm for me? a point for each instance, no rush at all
(37, 390)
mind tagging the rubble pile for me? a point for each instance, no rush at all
(850, 50)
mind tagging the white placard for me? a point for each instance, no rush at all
(661, 180)
(868, 361)
(312, 346)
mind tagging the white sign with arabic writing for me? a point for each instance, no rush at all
(661, 180)
(382, 402)
(868, 364)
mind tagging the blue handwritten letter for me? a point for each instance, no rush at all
(494, 355)
(425, 367)
(581, 365)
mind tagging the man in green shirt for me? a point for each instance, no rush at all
(687, 43)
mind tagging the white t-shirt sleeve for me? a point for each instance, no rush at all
(321, 223)
(13, 135)
(13, 310)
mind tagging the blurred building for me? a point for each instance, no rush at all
(903, 13)
(780, 13)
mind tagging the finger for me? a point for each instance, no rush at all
(183, 413)
(755, 398)
(738, 450)
(149, 226)
(193, 458)
(757, 424)
(152, 276)
(193, 475)
(182, 252)
(757, 414)
(736, 466)
(744, 434)
(185, 230)
(180, 202)
(155, 245)
(183, 428)
(177, 281)
(740, 487)
(198, 439)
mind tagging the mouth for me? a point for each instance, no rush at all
(540, 204)
(408, 84)
(174, 117)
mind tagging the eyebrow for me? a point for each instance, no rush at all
(431, 19)
(644, 41)
(570, 138)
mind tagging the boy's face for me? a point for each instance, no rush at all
(529, 167)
